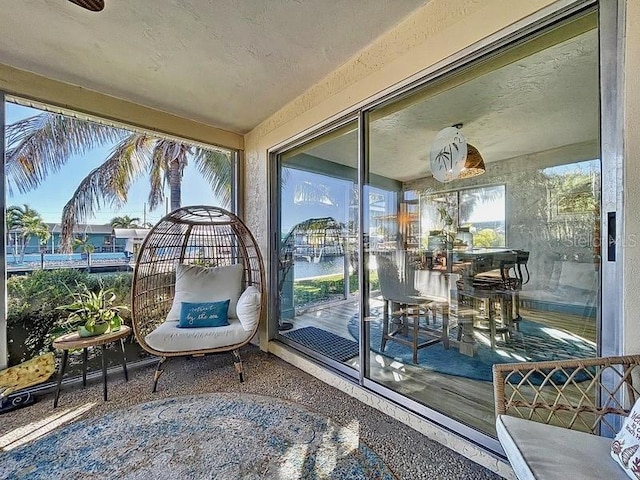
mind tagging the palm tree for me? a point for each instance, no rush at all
(84, 245)
(124, 221)
(14, 222)
(25, 222)
(43, 144)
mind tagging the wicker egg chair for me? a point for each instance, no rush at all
(194, 237)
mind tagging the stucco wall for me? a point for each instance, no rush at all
(631, 325)
(433, 33)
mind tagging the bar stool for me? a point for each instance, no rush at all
(482, 297)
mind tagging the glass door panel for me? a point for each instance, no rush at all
(318, 263)
(493, 268)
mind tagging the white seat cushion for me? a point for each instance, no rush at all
(169, 338)
(545, 452)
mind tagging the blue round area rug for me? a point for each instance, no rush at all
(222, 435)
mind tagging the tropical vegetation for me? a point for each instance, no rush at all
(488, 237)
(44, 143)
(33, 319)
(84, 245)
(23, 223)
(125, 221)
(312, 291)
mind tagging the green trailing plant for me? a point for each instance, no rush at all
(31, 310)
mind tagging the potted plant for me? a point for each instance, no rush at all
(93, 313)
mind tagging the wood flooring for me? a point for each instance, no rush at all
(466, 400)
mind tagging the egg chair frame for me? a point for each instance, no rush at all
(195, 235)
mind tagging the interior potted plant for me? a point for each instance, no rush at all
(93, 313)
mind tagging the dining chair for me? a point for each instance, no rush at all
(407, 307)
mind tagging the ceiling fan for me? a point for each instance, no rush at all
(93, 5)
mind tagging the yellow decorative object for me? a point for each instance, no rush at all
(27, 374)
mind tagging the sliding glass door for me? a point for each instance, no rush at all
(318, 256)
(480, 199)
(499, 263)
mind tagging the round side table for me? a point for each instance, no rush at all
(74, 340)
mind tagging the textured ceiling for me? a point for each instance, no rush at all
(226, 63)
(547, 100)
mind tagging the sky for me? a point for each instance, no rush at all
(49, 199)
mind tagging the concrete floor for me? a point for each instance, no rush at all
(406, 452)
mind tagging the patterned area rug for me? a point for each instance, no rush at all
(535, 342)
(326, 343)
(225, 436)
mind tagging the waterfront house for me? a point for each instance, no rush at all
(101, 236)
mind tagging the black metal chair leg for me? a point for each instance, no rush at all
(237, 361)
(63, 367)
(416, 329)
(445, 328)
(84, 367)
(104, 371)
(385, 325)
(124, 361)
(159, 371)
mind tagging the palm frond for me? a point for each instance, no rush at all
(156, 182)
(42, 144)
(107, 184)
(310, 192)
(86, 200)
(128, 159)
(124, 221)
(216, 168)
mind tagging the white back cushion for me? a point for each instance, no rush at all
(248, 308)
(545, 452)
(206, 284)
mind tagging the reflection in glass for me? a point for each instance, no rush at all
(318, 262)
(458, 276)
(498, 268)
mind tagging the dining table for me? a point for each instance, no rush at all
(464, 272)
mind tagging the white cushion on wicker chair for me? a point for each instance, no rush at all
(206, 284)
(169, 338)
(538, 451)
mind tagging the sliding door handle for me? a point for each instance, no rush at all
(611, 236)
